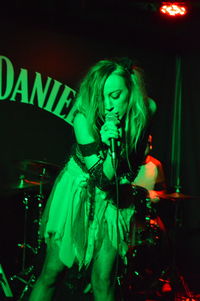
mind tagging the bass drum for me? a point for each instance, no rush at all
(147, 259)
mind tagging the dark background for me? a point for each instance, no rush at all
(62, 39)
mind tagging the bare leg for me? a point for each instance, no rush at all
(53, 270)
(102, 280)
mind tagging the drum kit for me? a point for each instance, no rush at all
(151, 271)
(34, 179)
(35, 176)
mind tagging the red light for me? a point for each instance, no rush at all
(166, 288)
(173, 9)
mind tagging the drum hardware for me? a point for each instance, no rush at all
(40, 200)
(163, 282)
(27, 275)
(38, 170)
(145, 277)
(28, 284)
(172, 273)
(33, 176)
(147, 228)
(139, 276)
(26, 272)
(23, 246)
(4, 284)
(175, 196)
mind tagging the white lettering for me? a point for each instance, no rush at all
(64, 102)
(53, 95)
(38, 91)
(21, 87)
(9, 78)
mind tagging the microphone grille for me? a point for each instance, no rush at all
(111, 117)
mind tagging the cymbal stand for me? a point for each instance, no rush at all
(40, 201)
(28, 284)
(26, 270)
(174, 275)
(30, 270)
(24, 245)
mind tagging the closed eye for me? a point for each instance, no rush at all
(115, 94)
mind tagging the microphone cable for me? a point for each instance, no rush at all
(115, 274)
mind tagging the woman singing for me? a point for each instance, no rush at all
(84, 224)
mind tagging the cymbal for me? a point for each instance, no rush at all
(41, 169)
(23, 184)
(175, 196)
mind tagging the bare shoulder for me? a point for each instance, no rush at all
(81, 129)
(155, 161)
(152, 105)
(79, 117)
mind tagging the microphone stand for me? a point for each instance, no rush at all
(175, 176)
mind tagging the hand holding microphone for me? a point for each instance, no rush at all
(110, 133)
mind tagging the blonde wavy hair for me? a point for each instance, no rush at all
(89, 99)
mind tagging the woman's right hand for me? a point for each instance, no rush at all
(109, 130)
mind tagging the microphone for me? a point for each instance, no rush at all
(112, 118)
